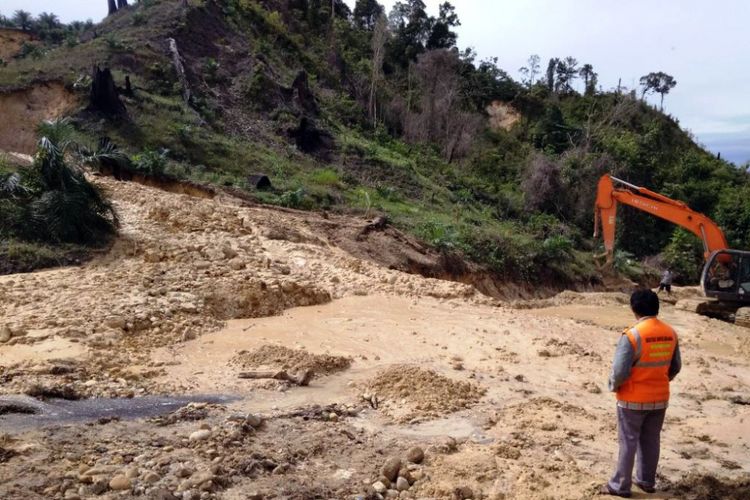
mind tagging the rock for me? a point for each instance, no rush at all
(152, 477)
(390, 468)
(237, 264)
(72, 494)
(254, 421)
(392, 494)
(379, 487)
(162, 494)
(463, 493)
(402, 484)
(200, 435)
(415, 455)
(5, 334)
(120, 483)
(99, 486)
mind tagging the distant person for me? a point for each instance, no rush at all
(666, 281)
(647, 358)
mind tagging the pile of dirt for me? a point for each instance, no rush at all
(24, 109)
(292, 360)
(569, 297)
(409, 393)
(258, 299)
(708, 487)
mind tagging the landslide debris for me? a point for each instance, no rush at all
(407, 393)
(292, 360)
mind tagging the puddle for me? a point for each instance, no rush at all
(21, 413)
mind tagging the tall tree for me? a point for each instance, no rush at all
(441, 35)
(590, 79)
(112, 7)
(566, 71)
(530, 71)
(379, 35)
(122, 3)
(551, 67)
(411, 27)
(367, 13)
(22, 19)
(658, 82)
(48, 20)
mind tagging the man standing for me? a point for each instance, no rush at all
(647, 358)
(666, 281)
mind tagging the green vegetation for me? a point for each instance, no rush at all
(396, 121)
(51, 204)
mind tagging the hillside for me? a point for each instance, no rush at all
(448, 148)
(287, 253)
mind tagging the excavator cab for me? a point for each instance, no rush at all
(726, 276)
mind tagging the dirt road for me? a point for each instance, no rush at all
(505, 402)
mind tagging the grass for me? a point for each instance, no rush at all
(20, 256)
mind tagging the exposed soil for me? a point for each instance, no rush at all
(25, 108)
(11, 41)
(280, 357)
(504, 402)
(410, 393)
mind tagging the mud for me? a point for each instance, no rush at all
(505, 402)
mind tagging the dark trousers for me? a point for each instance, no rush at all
(639, 434)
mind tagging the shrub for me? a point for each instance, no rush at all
(151, 162)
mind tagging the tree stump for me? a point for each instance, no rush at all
(104, 96)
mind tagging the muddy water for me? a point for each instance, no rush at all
(23, 413)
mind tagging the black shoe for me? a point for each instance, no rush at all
(647, 489)
(606, 490)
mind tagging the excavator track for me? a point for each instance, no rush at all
(742, 317)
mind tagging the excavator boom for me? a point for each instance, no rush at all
(677, 212)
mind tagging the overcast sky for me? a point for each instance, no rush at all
(704, 44)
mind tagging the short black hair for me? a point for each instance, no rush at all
(644, 302)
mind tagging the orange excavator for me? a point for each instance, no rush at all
(725, 279)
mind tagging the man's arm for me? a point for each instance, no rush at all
(622, 363)
(676, 365)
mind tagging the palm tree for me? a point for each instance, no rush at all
(22, 19)
(67, 207)
(48, 20)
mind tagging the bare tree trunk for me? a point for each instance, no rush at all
(112, 7)
(378, 52)
(180, 70)
(104, 96)
(661, 106)
(122, 4)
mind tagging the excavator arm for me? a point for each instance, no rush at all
(605, 214)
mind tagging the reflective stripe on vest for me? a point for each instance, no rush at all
(653, 345)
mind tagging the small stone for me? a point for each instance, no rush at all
(200, 435)
(152, 477)
(5, 334)
(333, 417)
(390, 468)
(120, 483)
(392, 494)
(254, 421)
(463, 493)
(379, 487)
(402, 484)
(415, 455)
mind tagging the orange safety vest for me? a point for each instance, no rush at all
(654, 343)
